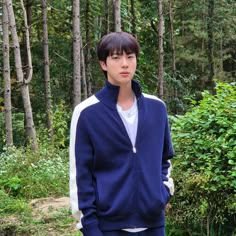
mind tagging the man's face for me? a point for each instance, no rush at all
(120, 68)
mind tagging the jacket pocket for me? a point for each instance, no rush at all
(153, 198)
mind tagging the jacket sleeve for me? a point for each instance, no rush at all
(82, 193)
(168, 153)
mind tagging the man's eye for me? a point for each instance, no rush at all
(115, 57)
(131, 56)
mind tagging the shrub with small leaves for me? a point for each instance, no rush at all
(26, 174)
(205, 162)
(9, 205)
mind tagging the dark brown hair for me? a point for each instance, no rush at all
(117, 42)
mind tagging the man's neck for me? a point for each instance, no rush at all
(125, 97)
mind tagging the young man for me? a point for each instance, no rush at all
(120, 147)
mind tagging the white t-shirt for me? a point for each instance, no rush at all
(130, 120)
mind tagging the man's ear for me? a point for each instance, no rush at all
(103, 65)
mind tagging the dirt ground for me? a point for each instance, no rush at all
(50, 217)
(49, 205)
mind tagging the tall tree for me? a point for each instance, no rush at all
(88, 47)
(160, 49)
(173, 62)
(117, 15)
(48, 96)
(28, 9)
(83, 71)
(210, 45)
(107, 16)
(7, 78)
(76, 53)
(23, 82)
(133, 17)
(172, 41)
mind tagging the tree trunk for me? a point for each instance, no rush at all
(47, 85)
(7, 78)
(172, 44)
(30, 128)
(210, 46)
(107, 17)
(29, 74)
(25, 62)
(133, 18)
(83, 73)
(117, 17)
(160, 49)
(221, 52)
(203, 49)
(88, 50)
(76, 53)
(172, 41)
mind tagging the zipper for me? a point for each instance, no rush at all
(133, 146)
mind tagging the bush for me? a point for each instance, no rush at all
(205, 164)
(9, 205)
(25, 174)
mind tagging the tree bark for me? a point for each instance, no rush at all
(7, 78)
(107, 17)
(172, 40)
(133, 18)
(210, 46)
(172, 44)
(117, 16)
(48, 96)
(28, 8)
(88, 50)
(29, 67)
(83, 73)
(76, 53)
(160, 49)
(30, 128)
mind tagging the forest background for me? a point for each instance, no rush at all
(188, 59)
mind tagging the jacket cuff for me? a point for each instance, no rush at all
(91, 230)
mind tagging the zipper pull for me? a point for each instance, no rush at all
(134, 149)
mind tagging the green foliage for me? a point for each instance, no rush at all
(9, 205)
(205, 162)
(30, 175)
(18, 129)
(61, 116)
(11, 185)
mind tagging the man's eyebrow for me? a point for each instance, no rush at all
(116, 53)
(121, 53)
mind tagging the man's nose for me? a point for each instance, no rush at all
(124, 62)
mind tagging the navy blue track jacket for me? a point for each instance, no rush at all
(113, 184)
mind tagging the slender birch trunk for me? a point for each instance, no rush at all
(88, 50)
(29, 67)
(28, 9)
(48, 96)
(83, 73)
(30, 128)
(7, 78)
(76, 53)
(160, 49)
(117, 17)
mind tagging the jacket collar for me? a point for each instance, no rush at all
(109, 93)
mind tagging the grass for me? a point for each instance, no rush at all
(58, 224)
(25, 176)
